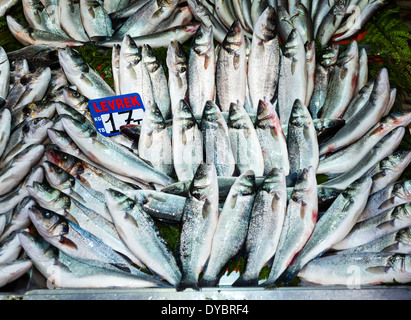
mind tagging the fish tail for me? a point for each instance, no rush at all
(186, 283)
(288, 275)
(241, 282)
(208, 283)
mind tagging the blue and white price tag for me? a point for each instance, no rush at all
(110, 113)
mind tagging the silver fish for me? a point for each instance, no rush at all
(13, 270)
(292, 80)
(311, 67)
(96, 20)
(299, 222)
(70, 17)
(5, 129)
(177, 65)
(125, 12)
(272, 139)
(216, 140)
(343, 83)
(333, 226)
(79, 73)
(302, 140)
(225, 14)
(146, 18)
(244, 141)
(199, 221)
(264, 51)
(52, 199)
(114, 6)
(266, 222)
(377, 226)
(323, 8)
(4, 74)
(201, 70)
(335, 163)
(27, 35)
(323, 70)
(154, 144)
(187, 142)
(359, 100)
(6, 5)
(232, 226)
(364, 119)
(369, 269)
(141, 235)
(77, 242)
(300, 18)
(393, 195)
(115, 68)
(133, 74)
(181, 16)
(331, 22)
(65, 271)
(231, 74)
(382, 149)
(17, 169)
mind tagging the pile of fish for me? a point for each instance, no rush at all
(154, 22)
(230, 151)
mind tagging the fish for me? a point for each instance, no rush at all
(18, 167)
(177, 66)
(353, 153)
(71, 20)
(266, 222)
(126, 11)
(141, 235)
(389, 169)
(245, 144)
(375, 227)
(158, 80)
(30, 87)
(53, 199)
(61, 180)
(201, 70)
(39, 18)
(231, 74)
(187, 142)
(146, 18)
(33, 131)
(285, 25)
(382, 149)
(216, 140)
(293, 77)
(343, 83)
(115, 67)
(242, 12)
(14, 270)
(311, 66)
(333, 226)
(366, 269)
(79, 73)
(364, 119)
(76, 241)
(112, 156)
(232, 227)
(159, 39)
(223, 11)
(181, 16)
(394, 242)
(64, 271)
(299, 222)
(6, 5)
(10, 248)
(393, 195)
(327, 128)
(363, 70)
(323, 8)
(155, 142)
(198, 224)
(18, 68)
(331, 22)
(359, 100)
(95, 19)
(27, 35)
(115, 6)
(133, 74)
(208, 19)
(272, 139)
(302, 142)
(5, 129)
(4, 75)
(264, 51)
(300, 18)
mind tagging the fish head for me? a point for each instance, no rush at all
(211, 112)
(404, 236)
(48, 223)
(396, 161)
(184, 111)
(21, 211)
(402, 189)
(267, 117)
(399, 263)
(43, 192)
(20, 31)
(150, 60)
(178, 188)
(306, 183)
(237, 116)
(34, 126)
(360, 187)
(80, 128)
(154, 116)
(234, 38)
(299, 114)
(330, 55)
(36, 247)
(73, 97)
(245, 184)
(204, 181)
(203, 40)
(118, 200)
(60, 158)
(59, 138)
(72, 62)
(351, 53)
(129, 51)
(402, 212)
(274, 181)
(293, 44)
(266, 26)
(176, 57)
(57, 176)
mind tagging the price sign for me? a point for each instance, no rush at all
(110, 113)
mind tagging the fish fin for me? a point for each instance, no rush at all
(185, 283)
(288, 275)
(241, 282)
(387, 225)
(149, 140)
(67, 242)
(131, 220)
(389, 203)
(236, 61)
(379, 269)
(391, 248)
(205, 212)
